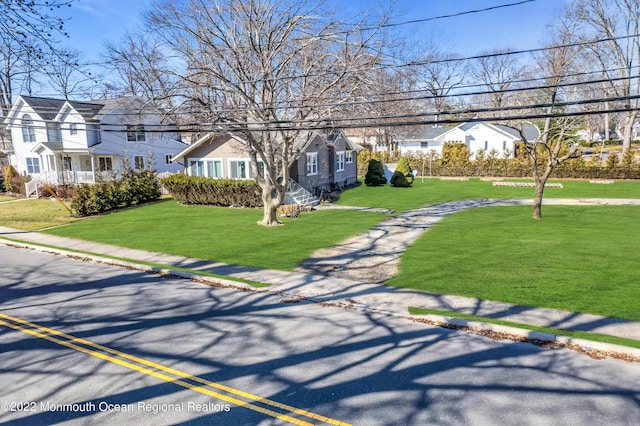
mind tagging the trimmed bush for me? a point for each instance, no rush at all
(375, 174)
(403, 168)
(218, 192)
(133, 188)
(399, 180)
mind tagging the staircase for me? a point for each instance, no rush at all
(297, 194)
(31, 187)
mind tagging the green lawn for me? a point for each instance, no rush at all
(34, 214)
(438, 191)
(222, 234)
(581, 259)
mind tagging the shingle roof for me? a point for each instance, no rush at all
(48, 108)
(427, 133)
(531, 132)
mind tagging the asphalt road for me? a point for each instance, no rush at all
(83, 343)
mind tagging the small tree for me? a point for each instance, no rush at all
(375, 174)
(12, 180)
(403, 176)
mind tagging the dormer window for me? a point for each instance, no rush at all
(135, 133)
(73, 129)
(28, 130)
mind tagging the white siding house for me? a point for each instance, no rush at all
(60, 142)
(475, 135)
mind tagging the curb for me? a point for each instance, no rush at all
(214, 281)
(532, 335)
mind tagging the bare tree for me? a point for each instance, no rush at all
(441, 73)
(616, 25)
(29, 30)
(143, 70)
(278, 69)
(552, 148)
(66, 74)
(498, 70)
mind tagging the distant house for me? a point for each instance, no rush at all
(475, 135)
(59, 141)
(372, 138)
(326, 162)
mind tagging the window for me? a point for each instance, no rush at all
(196, 168)
(168, 159)
(349, 157)
(238, 169)
(105, 164)
(135, 133)
(66, 164)
(73, 129)
(138, 162)
(424, 145)
(340, 161)
(504, 145)
(312, 163)
(486, 145)
(28, 131)
(33, 165)
(206, 168)
(214, 169)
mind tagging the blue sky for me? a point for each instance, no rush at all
(92, 22)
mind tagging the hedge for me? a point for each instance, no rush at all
(218, 192)
(132, 188)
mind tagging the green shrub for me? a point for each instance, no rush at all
(375, 174)
(219, 192)
(403, 168)
(132, 188)
(399, 180)
(12, 180)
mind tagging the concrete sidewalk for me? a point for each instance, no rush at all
(349, 293)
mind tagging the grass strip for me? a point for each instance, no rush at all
(595, 337)
(140, 262)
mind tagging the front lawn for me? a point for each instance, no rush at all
(34, 214)
(580, 259)
(222, 234)
(576, 258)
(433, 191)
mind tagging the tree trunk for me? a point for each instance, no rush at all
(630, 118)
(271, 200)
(537, 199)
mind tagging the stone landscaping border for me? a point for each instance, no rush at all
(527, 184)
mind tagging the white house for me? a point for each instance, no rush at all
(475, 135)
(60, 141)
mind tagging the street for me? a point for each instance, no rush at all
(86, 343)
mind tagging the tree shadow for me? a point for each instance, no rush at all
(352, 365)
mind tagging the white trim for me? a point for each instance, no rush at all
(247, 168)
(205, 167)
(311, 160)
(340, 161)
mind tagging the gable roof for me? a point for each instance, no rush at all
(530, 131)
(426, 134)
(183, 154)
(300, 143)
(48, 108)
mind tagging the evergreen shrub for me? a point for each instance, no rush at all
(375, 174)
(218, 192)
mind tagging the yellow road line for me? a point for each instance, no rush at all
(48, 334)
